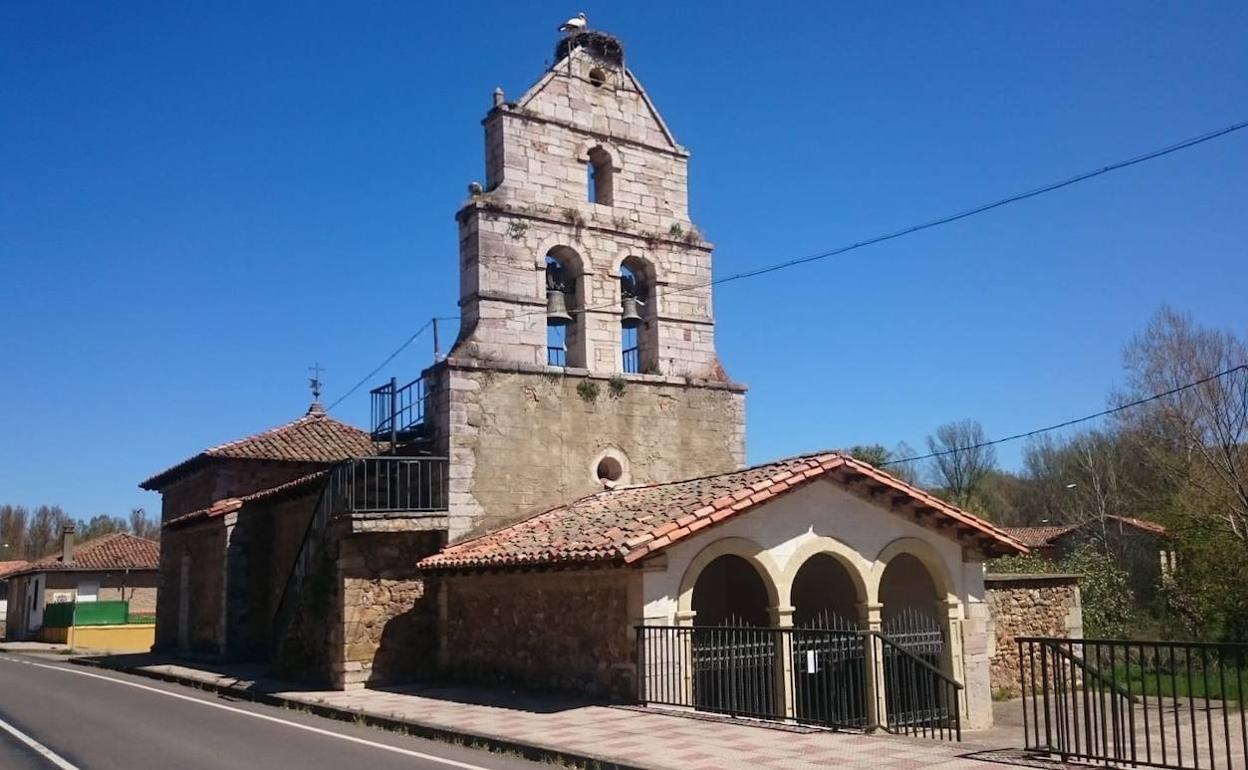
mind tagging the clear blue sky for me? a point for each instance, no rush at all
(197, 201)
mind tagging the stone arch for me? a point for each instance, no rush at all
(572, 338)
(850, 563)
(584, 149)
(926, 554)
(639, 342)
(746, 549)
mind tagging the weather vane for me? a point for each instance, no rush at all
(315, 380)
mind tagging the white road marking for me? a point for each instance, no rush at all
(306, 728)
(43, 751)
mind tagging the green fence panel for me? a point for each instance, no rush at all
(101, 613)
(60, 615)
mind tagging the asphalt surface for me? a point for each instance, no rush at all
(102, 720)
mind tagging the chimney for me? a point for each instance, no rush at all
(67, 543)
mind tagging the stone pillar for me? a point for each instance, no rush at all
(782, 617)
(684, 619)
(871, 616)
(975, 672)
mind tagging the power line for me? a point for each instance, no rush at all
(944, 220)
(382, 365)
(1076, 421)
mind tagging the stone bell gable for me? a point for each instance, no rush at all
(586, 351)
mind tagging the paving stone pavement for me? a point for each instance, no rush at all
(620, 735)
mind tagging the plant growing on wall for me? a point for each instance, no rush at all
(516, 228)
(588, 391)
(676, 230)
(615, 386)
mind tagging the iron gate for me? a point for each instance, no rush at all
(824, 676)
(918, 634)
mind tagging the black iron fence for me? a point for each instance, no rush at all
(556, 356)
(632, 360)
(832, 677)
(1156, 704)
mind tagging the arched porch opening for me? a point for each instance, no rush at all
(829, 655)
(734, 665)
(730, 592)
(824, 595)
(915, 624)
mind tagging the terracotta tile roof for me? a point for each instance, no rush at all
(304, 484)
(631, 523)
(120, 550)
(9, 567)
(1040, 537)
(314, 438)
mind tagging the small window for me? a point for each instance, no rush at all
(599, 184)
(88, 591)
(610, 470)
(597, 77)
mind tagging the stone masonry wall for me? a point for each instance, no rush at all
(202, 549)
(1028, 605)
(547, 630)
(518, 441)
(388, 631)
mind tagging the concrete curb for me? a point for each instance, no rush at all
(494, 744)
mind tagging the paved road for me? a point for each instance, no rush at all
(97, 720)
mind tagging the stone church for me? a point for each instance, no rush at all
(567, 489)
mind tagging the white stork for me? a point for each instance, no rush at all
(574, 24)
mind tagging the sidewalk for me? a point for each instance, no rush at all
(575, 732)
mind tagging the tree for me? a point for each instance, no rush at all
(99, 526)
(142, 527)
(1197, 437)
(961, 463)
(13, 524)
(890, 461)
(44, 533)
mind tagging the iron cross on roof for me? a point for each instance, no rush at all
(314, 381)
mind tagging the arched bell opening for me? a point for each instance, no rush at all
(831, 668)
(734, 657)
(564, 324)
(917, 633)
(638, 332)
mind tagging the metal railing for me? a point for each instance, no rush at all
(832, 677)
(632, 360)
(1151, 703)
(397, 411)
(556, 356)
(367, 485)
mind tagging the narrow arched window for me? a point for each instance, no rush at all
(599, 182)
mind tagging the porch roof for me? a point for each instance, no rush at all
(303, 485)
(628, 524)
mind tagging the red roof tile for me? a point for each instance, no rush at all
(120, 550)
(627, 524)
(9, 567)
(314, 438)
(1039, 537)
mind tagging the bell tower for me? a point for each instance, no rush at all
(586, 353)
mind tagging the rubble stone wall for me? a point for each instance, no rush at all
(567, 630)
(1028, 605)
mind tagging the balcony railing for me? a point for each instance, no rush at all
(556, 356)
(632, 360)
(398, 412)
(368, 486)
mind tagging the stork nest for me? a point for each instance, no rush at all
(599, 45)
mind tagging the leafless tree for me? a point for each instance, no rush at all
(962, 462)
(1198, 436)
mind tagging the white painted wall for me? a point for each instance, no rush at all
(820, 517)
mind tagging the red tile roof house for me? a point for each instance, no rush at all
(1143, 548)
(109, 568)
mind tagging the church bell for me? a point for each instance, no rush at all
(630, 318)
(557, 308)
